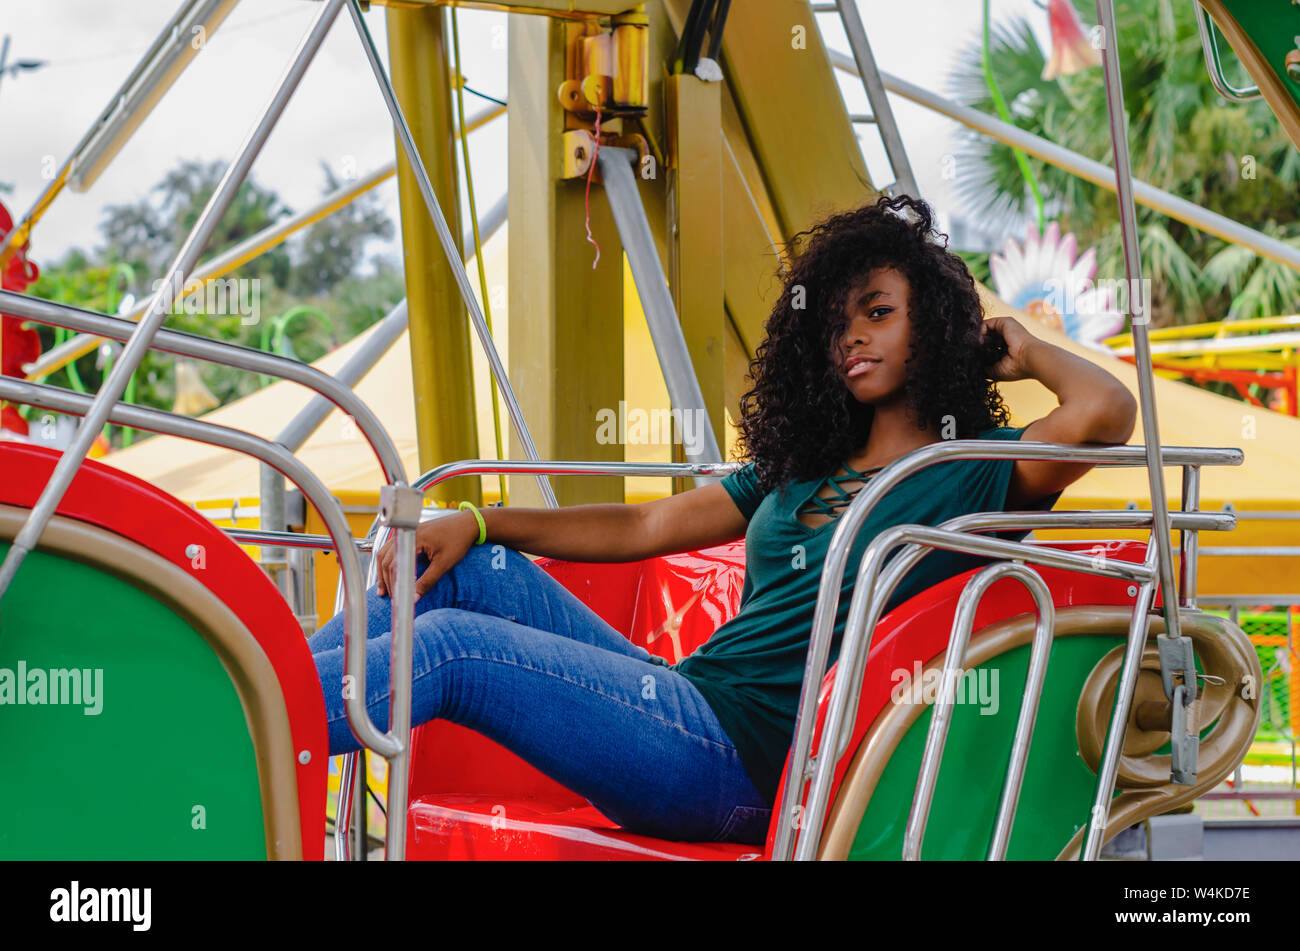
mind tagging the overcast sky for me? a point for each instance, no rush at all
(337, 116)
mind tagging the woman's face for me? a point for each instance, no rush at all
(878, 328)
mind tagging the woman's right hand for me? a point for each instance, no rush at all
(443, 540)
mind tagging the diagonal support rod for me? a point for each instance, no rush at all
(1139, 306)
(111, 390)
(454, 261)
(652, 286)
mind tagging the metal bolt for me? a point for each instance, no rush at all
(304, 757)
(192, 551)
(1132, 591)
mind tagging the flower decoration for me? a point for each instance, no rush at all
(1045, 279)
(1071, 50)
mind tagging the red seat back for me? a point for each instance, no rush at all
(668, 605)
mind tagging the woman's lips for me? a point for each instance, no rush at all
(861, 368)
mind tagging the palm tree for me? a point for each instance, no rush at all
(1230, 158)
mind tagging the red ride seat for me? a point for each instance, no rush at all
(471, 798)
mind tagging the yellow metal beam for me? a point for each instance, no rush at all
(565, 323)
(792, 110)
(442, 374)
(560, 9)
(694, 181)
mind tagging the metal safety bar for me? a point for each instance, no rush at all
(377, 537)
(953, 668)
(223, 353)
(866, 607)
(1188, 541)
(253, 536)
(656, 300)
(449, 248)
(1064, 518)
(897, 568)
(1214, 63)
(849, 523)
(1176, 655)
(1188, 523)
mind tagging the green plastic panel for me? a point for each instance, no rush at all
(1273, 26)
(164, 770)
(1058, 790)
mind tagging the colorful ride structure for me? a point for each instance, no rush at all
(130, 624)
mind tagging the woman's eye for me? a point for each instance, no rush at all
(880, 312)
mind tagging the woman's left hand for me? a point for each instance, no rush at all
(1019, 341)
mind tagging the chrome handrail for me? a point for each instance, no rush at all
(851, 521)
(865, 610)
(1214, 63)
(941, 718)
(258, 536)
(223, 353)
(468, 467)
(872, 584)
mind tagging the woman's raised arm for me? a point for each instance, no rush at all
(1094, 407)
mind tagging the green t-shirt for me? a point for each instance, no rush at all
(751, 668)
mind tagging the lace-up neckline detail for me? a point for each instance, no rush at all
(831, 505)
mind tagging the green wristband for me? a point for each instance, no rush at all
(482, 526)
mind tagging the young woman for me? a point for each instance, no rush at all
(877, 347)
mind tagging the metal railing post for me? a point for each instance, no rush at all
(1175, 650)
(1139, 629)
(1188, 539)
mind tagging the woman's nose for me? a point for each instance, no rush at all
(857, 332)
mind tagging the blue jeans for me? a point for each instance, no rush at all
(505, 649)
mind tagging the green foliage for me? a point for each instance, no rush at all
(1232, 159)
(147, 233)
(315, 276)
(331, 248)
(977, 262)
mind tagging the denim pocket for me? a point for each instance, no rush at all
(746, 824)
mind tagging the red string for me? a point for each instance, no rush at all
(587, 199)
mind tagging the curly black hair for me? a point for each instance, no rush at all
(799, 421)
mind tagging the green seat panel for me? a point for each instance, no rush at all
(165, 769)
